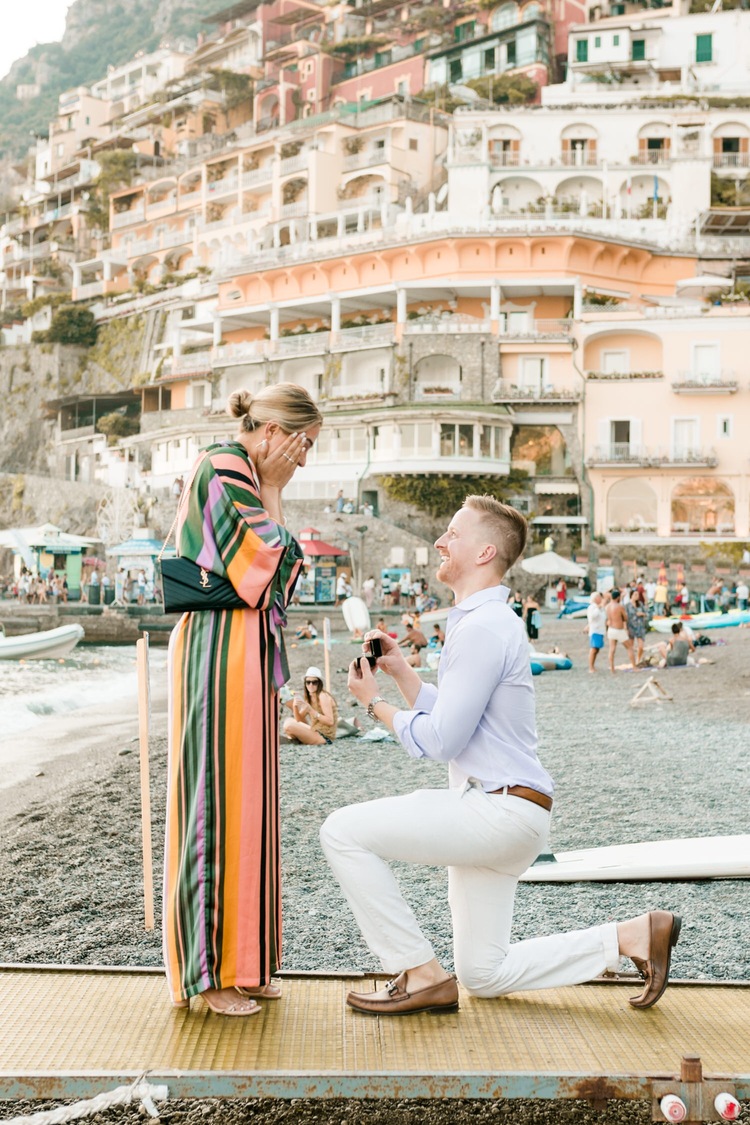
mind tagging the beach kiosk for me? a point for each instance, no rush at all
(45, 548)
(317, 585)
(136, 556)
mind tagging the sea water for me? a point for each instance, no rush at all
(34, 690)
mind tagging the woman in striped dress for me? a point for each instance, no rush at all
(222, 899)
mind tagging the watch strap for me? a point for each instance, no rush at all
(373, 704)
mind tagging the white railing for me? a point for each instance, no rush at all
(299, 345)
(189, 199)
(652, 156)
(692, 380)
(296, 163)
(245, 351)
(257, 176)
(428, 392)
(449, 326)
(546, 393)
(365, 159)
(620, 452)
(732, 160)
(579, 158)
(147, 246)
(628, 453)
(187, 364)
(505, 159)
(177, 238)
(88, 290)
(125, 218)
(223, 187)
(540, 327)
(294, 210)
(365, 336)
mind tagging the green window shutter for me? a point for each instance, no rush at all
(597, 40)
(638, 50)
(615, 40)
(582, 50)
(703, 48)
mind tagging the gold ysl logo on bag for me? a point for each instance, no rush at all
(204, 579)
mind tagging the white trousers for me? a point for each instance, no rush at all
(486, 841)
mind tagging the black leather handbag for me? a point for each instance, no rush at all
(187, 587)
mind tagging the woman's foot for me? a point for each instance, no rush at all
(225, 1002)
(270, 991)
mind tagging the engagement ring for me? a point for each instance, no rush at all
(289, 458)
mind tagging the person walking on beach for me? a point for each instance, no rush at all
(617, 629)
(637, 618)
(222, 898)
(597, 624)
(491, 822)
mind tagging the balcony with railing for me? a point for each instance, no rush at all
(364, 336)
(257, 176)
(303, 343)
(630, 454)
(513, 392)
(620, 453)
(579, 158)
(294, 210)
(192, 364)
(126, 218)
(297, 163)
(226, 186)
(696, 383)
(652, 156)
(366, 159)
(243, 351)
(426, 326)
(537, 328)
(731, 160)
(188, 199)
(507, 159)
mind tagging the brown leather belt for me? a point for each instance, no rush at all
(532, 795)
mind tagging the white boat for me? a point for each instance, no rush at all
(41, 646)
(715, 620)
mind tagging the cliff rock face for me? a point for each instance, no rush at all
(98, 34)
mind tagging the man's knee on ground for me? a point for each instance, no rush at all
(483, 982)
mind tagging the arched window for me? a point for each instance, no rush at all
(702, 505)
(504, 16)
(631, 506)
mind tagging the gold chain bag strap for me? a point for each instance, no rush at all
(187, 586)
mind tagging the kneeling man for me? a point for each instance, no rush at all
(491, 822)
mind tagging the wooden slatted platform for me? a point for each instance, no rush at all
(74, 1032)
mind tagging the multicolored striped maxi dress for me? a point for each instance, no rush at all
(222, 898)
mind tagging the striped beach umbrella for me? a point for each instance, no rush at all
(662, 579)
(680, 575)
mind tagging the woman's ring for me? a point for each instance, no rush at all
(289, 458)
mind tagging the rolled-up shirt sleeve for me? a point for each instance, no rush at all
(440, 724)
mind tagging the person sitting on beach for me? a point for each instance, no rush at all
(675, 653)
(437, 640)
(413, 636)
(307, 632)
(315, 714)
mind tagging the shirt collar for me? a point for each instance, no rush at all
(490, 594)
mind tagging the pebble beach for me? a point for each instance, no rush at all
(70, 859)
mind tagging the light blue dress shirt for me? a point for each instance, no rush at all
(481, 718)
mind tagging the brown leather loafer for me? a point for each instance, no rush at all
(665, 933)
(396, 1000)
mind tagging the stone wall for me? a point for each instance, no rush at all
(28, 499)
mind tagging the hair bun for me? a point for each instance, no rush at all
(239, 403)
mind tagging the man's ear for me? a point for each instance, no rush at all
(487, 554)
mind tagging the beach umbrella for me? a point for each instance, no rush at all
(662, 579)
(551, 565)
(680, 575)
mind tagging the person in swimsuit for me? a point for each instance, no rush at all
(315, 715)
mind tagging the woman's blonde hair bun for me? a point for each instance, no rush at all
(239, 404)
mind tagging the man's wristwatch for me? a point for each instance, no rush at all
(373, 704)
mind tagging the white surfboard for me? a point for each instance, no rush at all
(699, 857)
(356, 615)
